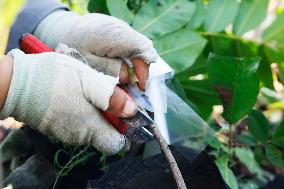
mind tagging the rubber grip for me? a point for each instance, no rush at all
(31, 45)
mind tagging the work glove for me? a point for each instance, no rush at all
(61, 96)
(105, 42)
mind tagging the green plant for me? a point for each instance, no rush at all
(216, 64)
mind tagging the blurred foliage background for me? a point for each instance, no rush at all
(8, 13)
(10, 8)
(229, 61)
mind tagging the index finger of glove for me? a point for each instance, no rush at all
(142, 72)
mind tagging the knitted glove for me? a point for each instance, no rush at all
(58, 95)
(103, 40)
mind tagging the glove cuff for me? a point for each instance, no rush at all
(52, 28)
(30, 86)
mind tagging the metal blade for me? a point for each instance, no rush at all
(140, 119)
(139, 135)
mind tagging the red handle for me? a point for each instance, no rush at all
(31, 45)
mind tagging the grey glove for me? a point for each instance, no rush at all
(60, 96)
(104, 40)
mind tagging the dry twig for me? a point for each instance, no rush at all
(169, 156)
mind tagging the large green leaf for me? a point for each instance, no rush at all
(159, 17)
(250, 15)
(278, 136)
(199, 90)
(118, 8)
(258, 125)
(180, 49)
(275, 32)
(273, 155)
(226, 172)
(198, 16)
(237, 82)
(220, 14)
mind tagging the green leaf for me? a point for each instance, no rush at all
(250, 15)
(278, 136)
(220, 14)
(98, 6)
(247, 139)
(258, 126)
(237, 83)
(275, 32)
(258, 154)
(215, 143)
(274, 52)
(159, 17)
(118, 8)
(247, 158)
(198, 67)
(226, 172)
(198, 15)
(180, 49)
(273, 155)
(223, 44)
(264, 69)
(197, 91)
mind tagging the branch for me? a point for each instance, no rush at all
(169, 156)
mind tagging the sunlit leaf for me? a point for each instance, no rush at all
(220, 13)
(250, 15)
(180, 49)
(118, 8)
(157, 18)
(275, 32)
(237, 83)
(246, 157)
(198, 15)
(226, 172)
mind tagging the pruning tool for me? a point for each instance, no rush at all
(133, 128)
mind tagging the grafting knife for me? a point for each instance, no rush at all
(133, 128)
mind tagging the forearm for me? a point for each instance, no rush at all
(6, 71)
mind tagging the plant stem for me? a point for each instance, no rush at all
(169, 156)
(67, 164)
(230, 137)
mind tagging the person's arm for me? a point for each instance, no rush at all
(61, 96)
(6, 71)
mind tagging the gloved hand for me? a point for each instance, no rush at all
(104, 41)
(60, 96)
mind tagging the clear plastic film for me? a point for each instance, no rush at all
(187, 130)
(178, 123)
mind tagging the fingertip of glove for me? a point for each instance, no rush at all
(112, 146)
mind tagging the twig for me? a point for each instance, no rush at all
(169, 156)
